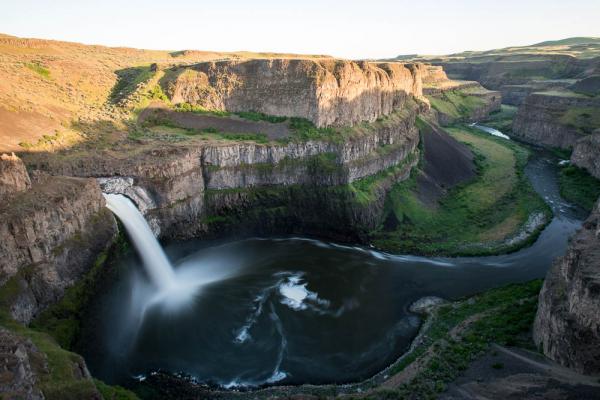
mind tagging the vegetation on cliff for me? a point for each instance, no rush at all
(459, 333)
(502, 119)
(479, 217)
(58, 372)
(578, 186)
(457, 104)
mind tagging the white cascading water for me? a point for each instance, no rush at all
(158, 266)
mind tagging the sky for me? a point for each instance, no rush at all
(348, 29)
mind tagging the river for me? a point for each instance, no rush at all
(298, 310)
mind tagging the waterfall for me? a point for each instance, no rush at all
(155, 261)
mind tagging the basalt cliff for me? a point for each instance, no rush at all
(567, 326)
(326, 92)
(53, 229)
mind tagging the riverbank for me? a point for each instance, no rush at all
(497, 211)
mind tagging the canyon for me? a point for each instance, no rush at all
(224, 145)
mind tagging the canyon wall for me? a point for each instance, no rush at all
(567, 325)
(586, 153)
(516, 76)
(326, 92)
(555, 119)
(51, 233)
(192, 190)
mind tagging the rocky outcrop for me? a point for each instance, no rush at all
(567, 325)
(555, 119)
(20, 363)
(50, 235)
(34, 367)
(327, 92)
(586, 153)
(434, 74)
(13, 176)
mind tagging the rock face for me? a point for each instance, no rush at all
(19, 361)
(13, 176)
(545, 119)
(181, 189)
(567, 325)
(327, 92)
(26, 369)
(50, 236)
(586, 153)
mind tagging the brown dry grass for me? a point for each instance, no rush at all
(49, 87)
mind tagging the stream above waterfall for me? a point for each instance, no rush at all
(291, 310)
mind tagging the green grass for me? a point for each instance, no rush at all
(585, 119)
(456, 104)
(39, 69)
(187, 107)
(365, 188)
(473, 218)
(114, 392)
(502, 119)
(128, 81)
(166, 128)
(504, 316)
(43, 141)
(305, 130)
(579, 187)
(257, 116)
(156, 93)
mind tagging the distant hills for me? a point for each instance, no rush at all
(580, 47)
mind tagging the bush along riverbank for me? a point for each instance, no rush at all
(578, 186)
(496, 211)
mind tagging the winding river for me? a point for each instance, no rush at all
(297, 310)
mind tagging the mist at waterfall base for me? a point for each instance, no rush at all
(291, 310)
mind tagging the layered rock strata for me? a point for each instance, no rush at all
(326, 92)
(177, 187)
(51, 234)
(553, 119)
(586, 153)
(567, 325)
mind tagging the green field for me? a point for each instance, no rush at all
(474, 218)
